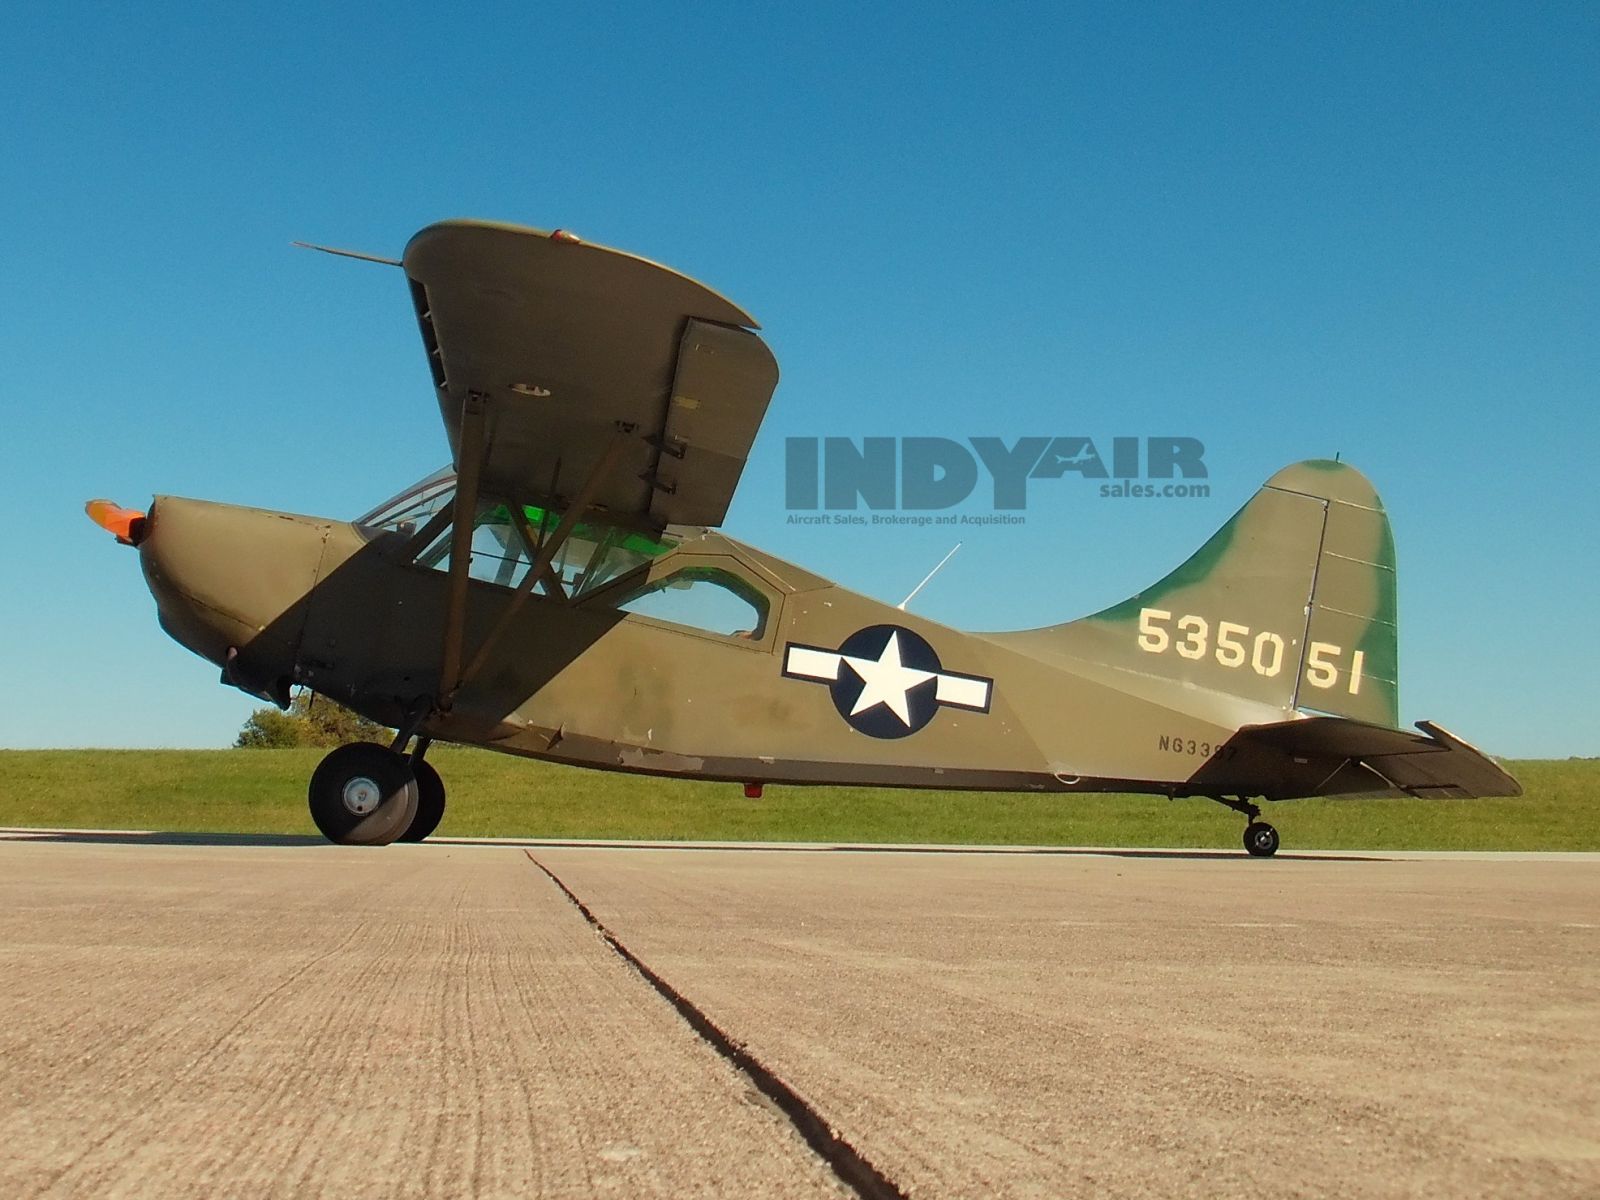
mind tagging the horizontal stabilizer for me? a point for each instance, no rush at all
(1432, 763)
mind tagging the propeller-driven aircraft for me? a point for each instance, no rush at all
(561, 592)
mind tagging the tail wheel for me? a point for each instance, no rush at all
(363, 794)
(1260, 839)
(430, 802)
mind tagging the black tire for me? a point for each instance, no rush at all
(363, 794)
(430, 802)
(1260, 839)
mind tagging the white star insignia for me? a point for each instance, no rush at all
(886, 681)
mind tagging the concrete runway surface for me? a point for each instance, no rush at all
(204, 1016)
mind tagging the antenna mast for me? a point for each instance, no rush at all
(902, 605)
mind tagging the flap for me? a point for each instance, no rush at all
(711, 422)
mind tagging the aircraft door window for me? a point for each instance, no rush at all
(504, 548)
(708, 599)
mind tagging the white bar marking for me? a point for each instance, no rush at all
(971, 693)
(812, 664)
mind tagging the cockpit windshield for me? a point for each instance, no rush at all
(504, 547)
(410, 510)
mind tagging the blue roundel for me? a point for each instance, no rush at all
(888, 682)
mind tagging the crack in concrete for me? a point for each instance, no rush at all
(853, 1169)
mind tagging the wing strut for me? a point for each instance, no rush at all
(424, 537)
(547, 553)
(465, 509)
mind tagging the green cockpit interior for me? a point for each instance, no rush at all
(593, 555)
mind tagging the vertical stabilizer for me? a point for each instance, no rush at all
(1291, 603)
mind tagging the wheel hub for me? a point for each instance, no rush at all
(362, 795)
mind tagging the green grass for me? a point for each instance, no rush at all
(263, 791)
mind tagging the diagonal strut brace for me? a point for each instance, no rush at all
(547, 553)
(530, 546)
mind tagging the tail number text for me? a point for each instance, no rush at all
(1235, 646)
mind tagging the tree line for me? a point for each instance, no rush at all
(310, 720)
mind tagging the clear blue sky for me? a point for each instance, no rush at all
(1286, 229)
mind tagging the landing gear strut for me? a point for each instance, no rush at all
(1260, 839)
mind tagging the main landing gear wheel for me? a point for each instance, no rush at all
(430, 802)
(363, 795)
(1260, 839)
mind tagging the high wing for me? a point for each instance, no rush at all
(591, 368)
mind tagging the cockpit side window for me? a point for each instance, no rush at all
(504, 549)
(506, 543)
(710, 599)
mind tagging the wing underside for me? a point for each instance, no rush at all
(570, 346)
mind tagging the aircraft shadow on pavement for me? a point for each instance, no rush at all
(889, 848)
(131, 837)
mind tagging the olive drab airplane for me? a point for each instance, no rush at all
(562, 593)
